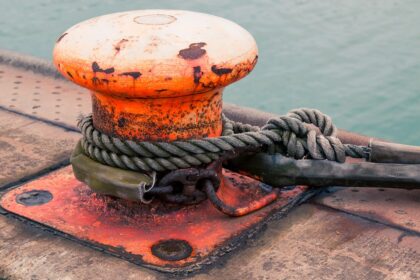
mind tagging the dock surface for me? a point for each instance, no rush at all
(344, 233)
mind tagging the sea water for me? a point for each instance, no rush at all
(358, 60)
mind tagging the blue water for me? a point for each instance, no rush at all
(358, 60)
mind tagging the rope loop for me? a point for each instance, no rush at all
(302, 133)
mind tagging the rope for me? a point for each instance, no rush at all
(289, 135)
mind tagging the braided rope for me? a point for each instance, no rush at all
(285, 134)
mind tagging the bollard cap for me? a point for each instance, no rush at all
(155, 53)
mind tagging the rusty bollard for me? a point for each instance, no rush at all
(156, 74)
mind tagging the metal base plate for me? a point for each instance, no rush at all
(168, 238)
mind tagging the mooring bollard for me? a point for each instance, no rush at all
(156, 74)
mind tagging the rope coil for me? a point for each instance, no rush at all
(289, 135)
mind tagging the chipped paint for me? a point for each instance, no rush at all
(194, 51)
(132, 230)
(176, 93)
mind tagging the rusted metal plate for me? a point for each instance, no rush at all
(42, 96)
(396, 207)
(28, 147)
(312, 242)
(166, 237)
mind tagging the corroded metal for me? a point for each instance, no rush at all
(156, 79)
(132, 230)
(150, 85)
(148, 119)
(187, 181)
(233, 211)
(34, 197)
(172, 250)
(183, 186)
(157, 75)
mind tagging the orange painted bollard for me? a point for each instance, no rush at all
(156, 77)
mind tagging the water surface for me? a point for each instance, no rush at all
(358, 60)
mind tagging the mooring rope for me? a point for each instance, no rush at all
(287, 135)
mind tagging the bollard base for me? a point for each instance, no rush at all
(165, 237)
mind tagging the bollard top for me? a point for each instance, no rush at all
(155, 53)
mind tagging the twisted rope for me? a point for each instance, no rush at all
(287, 134)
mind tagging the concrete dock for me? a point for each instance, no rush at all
(352, 233)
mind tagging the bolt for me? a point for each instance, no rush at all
(34, 197)
(172, 250)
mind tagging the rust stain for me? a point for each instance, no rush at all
(105, 81)
(197, 74)
(121, 122)
(97, 69)
(220, 71)
(154, 103)
(119, 45)
(198, 77)
(159, 119)
(102, 116)
(95, 81)
(194, 51)
(134, 75)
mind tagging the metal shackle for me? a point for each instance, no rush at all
(156, 74)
